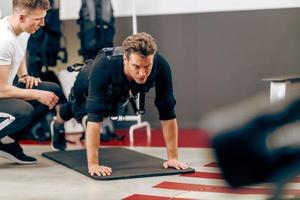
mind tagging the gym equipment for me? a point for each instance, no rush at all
(282, 86)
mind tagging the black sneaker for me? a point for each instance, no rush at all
(14, 152)
(58, 140)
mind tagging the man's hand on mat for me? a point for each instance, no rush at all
(99, 170)
(175, 164)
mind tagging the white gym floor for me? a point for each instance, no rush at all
(48, 180)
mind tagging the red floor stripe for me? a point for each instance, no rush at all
(212, 164)
(220, 189)
(150, 197)
(208, 175)
(214, 175)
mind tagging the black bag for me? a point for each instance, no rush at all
(96, 27)
(44, 46)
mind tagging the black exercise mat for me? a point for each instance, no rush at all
(125, 163)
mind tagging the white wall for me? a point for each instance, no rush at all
(6, 7)
(70, 8)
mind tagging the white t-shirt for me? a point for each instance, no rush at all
(12, 48)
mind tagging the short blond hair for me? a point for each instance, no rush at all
(142, 43)
(31, 4)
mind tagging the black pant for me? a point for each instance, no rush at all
(74, 109)
(27, 113)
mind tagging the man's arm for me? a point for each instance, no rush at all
(92, 146)
(165, 103)
(26, 79)
(9, 91)
(23, 68)
(170, 132)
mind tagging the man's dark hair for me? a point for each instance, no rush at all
(141, 43)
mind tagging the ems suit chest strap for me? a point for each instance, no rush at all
(113, 54)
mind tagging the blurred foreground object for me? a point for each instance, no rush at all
(247, 154)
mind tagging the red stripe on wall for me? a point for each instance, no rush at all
(296, 180)
(151, 197)
(220, 189)
(186, 138)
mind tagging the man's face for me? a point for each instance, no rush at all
(138, 67)
(33, 20)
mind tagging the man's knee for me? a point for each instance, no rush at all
(55, 88)
(66, 111)
(23, 112)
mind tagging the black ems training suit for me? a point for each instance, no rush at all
(102, 82)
